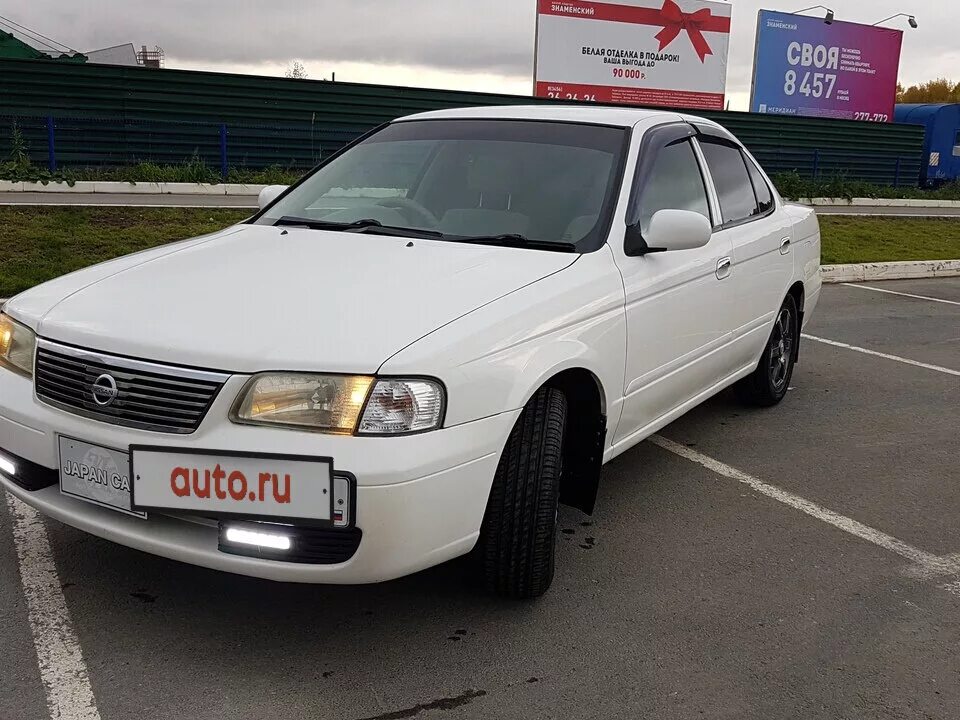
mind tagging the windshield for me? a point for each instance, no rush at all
(545, 182)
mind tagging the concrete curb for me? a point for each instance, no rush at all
(122, 188)
(879, 202)
(146, 188)
(912, 270)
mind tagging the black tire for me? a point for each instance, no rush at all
(768, 384)
(518, 536)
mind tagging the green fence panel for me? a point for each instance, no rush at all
(106, 115)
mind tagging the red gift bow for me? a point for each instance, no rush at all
(676, 20)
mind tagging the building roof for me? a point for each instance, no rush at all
(13, 47)
(125, 54)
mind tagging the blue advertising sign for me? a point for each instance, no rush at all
(805, 66)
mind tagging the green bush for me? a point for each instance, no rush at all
(793, 186)
(17, 166)
(19, 152)
(194, 170)
(272, 175)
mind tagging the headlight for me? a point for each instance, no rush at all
(328, 403)
(333, 403)
(17, 345)
(403, 406)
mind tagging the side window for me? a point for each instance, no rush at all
(760, 187)
(730, 176)
(675, 183)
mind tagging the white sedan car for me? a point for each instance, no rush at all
(414, 353)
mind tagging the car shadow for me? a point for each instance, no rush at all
(147, 594)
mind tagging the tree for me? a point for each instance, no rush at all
(940, 90)
(296, 71)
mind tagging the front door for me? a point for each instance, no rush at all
(678, 303)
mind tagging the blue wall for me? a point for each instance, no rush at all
(941, 145)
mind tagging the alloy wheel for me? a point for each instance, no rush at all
(781, 349)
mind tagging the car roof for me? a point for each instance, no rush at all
(599, 115)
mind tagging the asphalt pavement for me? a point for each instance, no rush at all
(249, 201)
(795, 562)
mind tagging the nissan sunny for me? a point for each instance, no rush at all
(413, 354)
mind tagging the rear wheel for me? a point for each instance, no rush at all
(768, 384)
(517, 540)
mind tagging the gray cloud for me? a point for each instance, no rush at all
(480, 35)
(450, 34)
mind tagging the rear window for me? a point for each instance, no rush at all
(732, 180)
(760, 186)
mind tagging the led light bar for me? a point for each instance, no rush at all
(7, 467)
(275, 541)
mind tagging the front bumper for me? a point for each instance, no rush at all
(420, 498)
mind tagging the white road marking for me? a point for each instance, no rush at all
(886, 356)
(926, 565)
(848, 525)
(894, 292)
(952, 587)
(62, 669)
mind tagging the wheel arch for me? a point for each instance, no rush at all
(798, 292)
(584, 436)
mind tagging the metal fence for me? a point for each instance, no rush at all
(112, 116)
(65, 142)
(105, 115)
(825, 164)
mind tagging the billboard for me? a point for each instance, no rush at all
(803, 66)
(638, 52)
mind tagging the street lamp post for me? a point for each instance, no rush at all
(828, 18)
(911, 20)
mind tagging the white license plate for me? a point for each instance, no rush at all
(96, 474)
(280, 487)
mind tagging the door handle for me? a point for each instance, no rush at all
(723, 268)
(785, 246)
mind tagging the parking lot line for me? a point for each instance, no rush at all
(925, 565)
(895, 292)
(886, 356)
(62, 668)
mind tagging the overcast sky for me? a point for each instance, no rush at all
(460, 44)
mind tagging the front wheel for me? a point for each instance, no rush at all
(518, 536)
(768, 384)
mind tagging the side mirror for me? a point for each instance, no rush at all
(669, 230)
(269, 194)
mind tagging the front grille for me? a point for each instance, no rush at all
(312, 545)
(148, 396)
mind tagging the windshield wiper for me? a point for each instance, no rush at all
(375, 227)
(520, 241)
(364, 225)
(315, 224)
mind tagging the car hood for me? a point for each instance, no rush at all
(255, 298)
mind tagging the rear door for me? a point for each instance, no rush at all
(759, 232)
